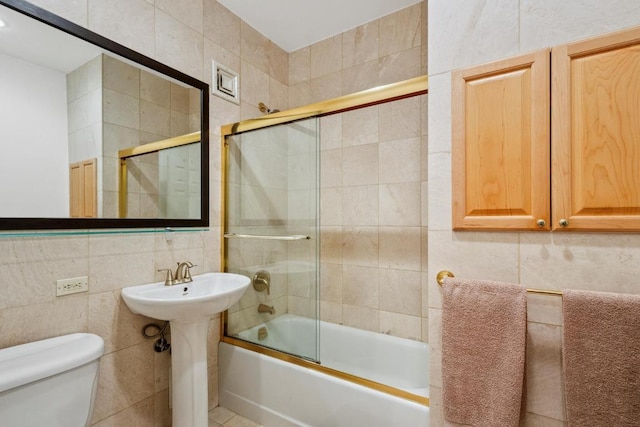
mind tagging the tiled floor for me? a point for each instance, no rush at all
(222, 417)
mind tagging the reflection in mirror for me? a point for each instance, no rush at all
(161, 179)
(70, 105)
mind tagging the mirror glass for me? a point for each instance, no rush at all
(93, 134)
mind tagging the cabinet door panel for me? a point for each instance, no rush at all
(596, 133)
(500, 146)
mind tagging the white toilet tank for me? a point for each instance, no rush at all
(50, 383)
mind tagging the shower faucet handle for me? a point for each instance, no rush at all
(262, 281)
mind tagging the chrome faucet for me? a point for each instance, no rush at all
(182, 274)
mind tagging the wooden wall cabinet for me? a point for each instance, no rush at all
(83, 193)
(550, 140)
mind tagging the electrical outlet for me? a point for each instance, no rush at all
(72, 285)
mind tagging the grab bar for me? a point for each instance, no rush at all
(444, 274)
(266, 236)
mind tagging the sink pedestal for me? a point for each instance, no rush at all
(188, 307)
(189, 379)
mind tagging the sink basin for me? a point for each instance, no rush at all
(208, 294)
(188, 307)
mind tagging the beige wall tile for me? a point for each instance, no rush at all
(278, 95)
(20, 325)
(331, 312)
(548, 23)
(400, 204)
(331, 206)
(254, 47)
(331, 244)
(360, 77)
(110, 318)
(126, 377)
(120, 76)
(399, 66)
(400, 30)
(400, 248)
(326, 56)
(300, 66)
(155, 119)
(360, 205)
(360, 317)
(360, 165)
(121, 109)
(470, 36)
(73, 10)
(331, 283)
(360, 44)
(138, 415)
(360, 246)
(40, 277)
(300, 94)
(325, 87)
(545, 388)
(179, 45)
(222, 27)
(278, 63)
(360, 286)
(360, 126)
(154, 89)
(400, 119)
(401, 161)
(126, 22)
(401, 292)
(400, 325)
(254, 85)
(189, 12)
(331, 132)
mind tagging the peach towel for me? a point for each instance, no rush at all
(484, 328)
(601, 358)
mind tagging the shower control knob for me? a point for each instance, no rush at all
(541, 223)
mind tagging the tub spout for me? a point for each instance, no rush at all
(263, 308)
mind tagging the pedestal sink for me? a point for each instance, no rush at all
(188, 308)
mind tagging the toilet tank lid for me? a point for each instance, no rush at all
(36, 360)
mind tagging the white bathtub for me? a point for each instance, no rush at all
(275, 393)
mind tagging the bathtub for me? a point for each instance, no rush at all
(276, 393)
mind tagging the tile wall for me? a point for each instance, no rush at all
(373, 175)
(187, 35)
(463, 33)
(133, 387)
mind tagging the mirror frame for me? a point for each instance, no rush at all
(75, 30)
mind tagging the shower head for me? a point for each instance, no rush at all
(264, 109)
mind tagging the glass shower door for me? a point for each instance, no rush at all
(271, 235)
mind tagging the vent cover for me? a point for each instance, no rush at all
(226, 83)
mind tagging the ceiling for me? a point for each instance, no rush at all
(294, 24)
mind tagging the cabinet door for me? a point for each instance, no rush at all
(500, 145)
(83, 189)
(596, 133)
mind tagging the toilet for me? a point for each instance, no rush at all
(51, 383)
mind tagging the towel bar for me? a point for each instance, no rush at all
(444, 274)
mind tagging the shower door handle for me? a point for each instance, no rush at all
(266, 236)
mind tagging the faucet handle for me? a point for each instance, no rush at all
(187, 273)
(168, 281)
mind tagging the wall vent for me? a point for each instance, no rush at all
(226, 83)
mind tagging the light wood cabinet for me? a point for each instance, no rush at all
(500, 150)
(550, 140)
(83, 197)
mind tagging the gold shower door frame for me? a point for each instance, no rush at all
(139, 150)
(378, 95)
